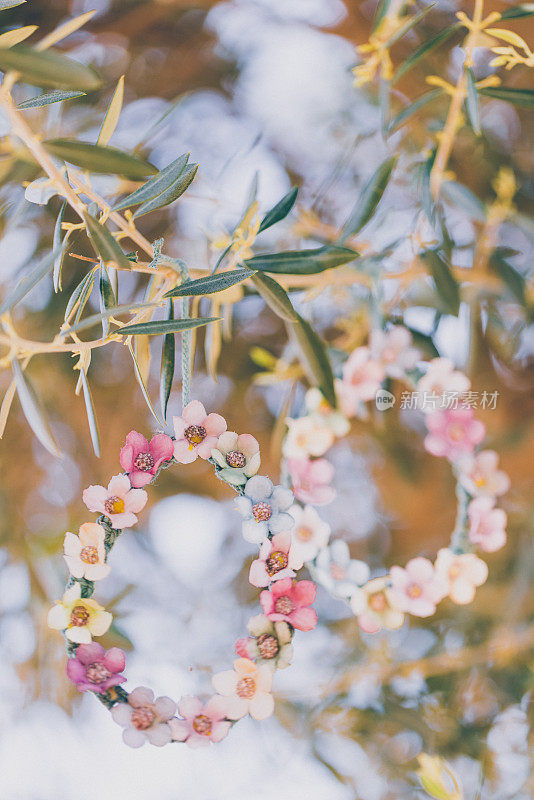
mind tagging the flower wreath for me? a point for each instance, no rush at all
(284, 523)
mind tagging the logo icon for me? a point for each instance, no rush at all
(384, 400)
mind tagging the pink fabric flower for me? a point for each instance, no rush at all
(196, 433)
(393, 349)
(202, 723)
(277, 560)
(372, 604)
(145, 719)
(291, 602)
(362, 377)
(417, 589)
(94, 669)
(453, 433)
(246, 689)
(463, 572)
(311, 479)
(439, 380)
(119, 502)
(141, 459)
(480, 476)
(487, 524)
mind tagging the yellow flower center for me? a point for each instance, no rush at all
(114, 505)
(202, 725)
(89, 555)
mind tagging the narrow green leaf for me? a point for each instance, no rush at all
(384, 104)
(47, 98)
(369, 199)
(464, 198)
(96, 319)
(210, 284)
(381, 11)
(518, 97)
(408, 25)
(143, 388)
(303, 262)
(99, 158)
(107, 298)
(316, 358)
(28, 281)
(165, 326)
(426, 47)
(509, 275)
(81, 291)
(112, 114)
(280, 210)
(167, 366)
(104, 244)
(446, 284)
(91, 416)
(156, 185)
(275, 296)
(516, 12)
(33, 410)
(171, 194)
(59, 247)
(411, 109)
(48, 69)
(5, 4)
(423, 172)
(471, 102)
(252, 192)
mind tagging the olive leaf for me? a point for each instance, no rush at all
(303, 262)
(315, 357)
(167, 366)
(91, 416)
(165, 326)
(408, 25)
(5, 4)
(63, 30)
(280, 210)
(471, 102)
(33, 411)
(112, 114)
(104, 244)
(16, 36)
(369, 199)
(142, 386)
(28, 281)
(47, 98)
(424, 48)
(48, 69)
(99, 158)
(463, 197)
(172, 193)
(509, 275)
(210, 284)
(59, 247)
(516, 12)
(518, 97)
(80, 294)
(408, 111)
(275, 296)
(107, 298)
(156, 185)
(114, 311)
(446, 284)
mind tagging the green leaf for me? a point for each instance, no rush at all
(5, 4)
(112, 114)
(280, 210)
(464, 198)
(408, 25)
(28, 281)
(518, 97)
(104, 244)
(382, 9)
(426, 47)
(516, 12)
(143, 388)
(99, 158)
(96, 319)
(316, 358)
(471, 102)
(167, 366)
(509, 275)
(171, 194)
(91, 416)
(423, 172)
(156, 185)
(47, 98)
(107, 298)
(165, 326)
(33, 410)
(48, 69)
(59, 246)
(210, 284)
(275, 296)
(412, 108)
(369, 199)
(446, 284)
(80, 293)
(303, 262)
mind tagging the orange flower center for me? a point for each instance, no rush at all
(378, 602)
(261, 512)
(89, 555)
(268, 645)
(456, 432)
(246, 687)
(304, 534)
(79, 616)
(195, 434)
(142, 718)
(276, 562)
(337, 572)
(283, 605)
(414, 590)
(202, 725)
(97, 673)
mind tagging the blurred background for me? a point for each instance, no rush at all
(264, 87)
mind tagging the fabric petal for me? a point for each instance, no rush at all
(219, 730)
(183, 452)
(227, 441)
(75, 670)
(180, 729)
(133, 738)
(159, 735)
(122, 714)
(142, 696)
(215, 425)
(161, 448)
(138, 442)
(261, 706)
(190, 706)
(304, 618)
(194, 413)
(165, 707)
(258, 488)
(72, 545)
(89, 653)
(118, 486)
(225, 682)
(58, 617)
(139, 479)
(114, 659)
(100, 623)
(304, 592)
(126, 457)
(94, 497)
(78, 635)
(95, 572)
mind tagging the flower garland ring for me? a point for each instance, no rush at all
(283, 522)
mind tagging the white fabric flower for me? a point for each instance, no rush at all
(144, 719)
(247, 689)
(85, 553)
(263, 508)
(307, 436)
(310, 534)
(238, 457)
(337, 572)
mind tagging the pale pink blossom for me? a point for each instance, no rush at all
(440, 379)
(393, 349)
(373, 606)
(487, 524)
(453, 433)
(418, 588)
(311, 480)
(310, 534)
(93, 669)
(196, 433)
(119, 502)
(202, 723)
(291, 602)
(320, 409)
(463, 573)
(144, 718)
(85, 553)
(142, 460)
(246, 689)
(307, 436)
(276, 560)
(480, 476)
(362, 378)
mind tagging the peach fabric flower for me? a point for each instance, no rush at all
(276, 561)
(311, 479)
(119, 502)
(142, 460)
(374, 607)
(480, 476)
(487, 524)
(246, 689)
(202, 723)
(362, 378)
(463, 572)
(196, 433)
(418, 588)
(85, 553)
